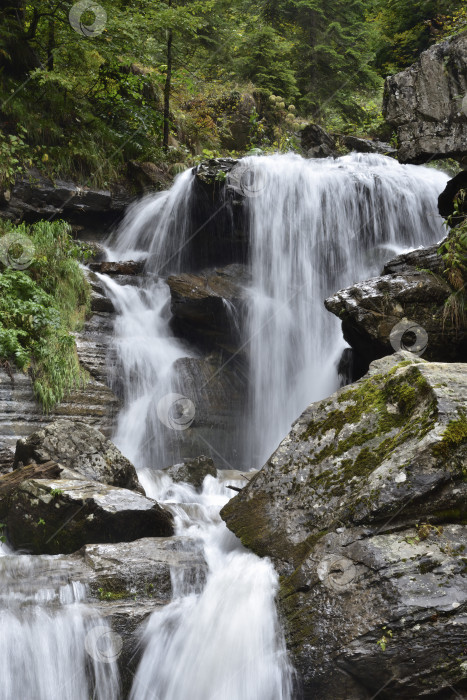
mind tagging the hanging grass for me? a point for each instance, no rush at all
(41, 306)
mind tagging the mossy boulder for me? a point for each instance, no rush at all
(363, 508)
(82, 448)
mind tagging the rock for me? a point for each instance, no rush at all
(388, 313)
(449, 196)
(217, 387)
(147, 177)
(317, 143)
(353, 143)
(192, 471)
(425, 103)
(420, 259)
(217, 233)
(362, 509)
(95, 348)
(128, 267)
(35, 197)
(82, 448)
(213, 171)
(207, 305)
(59, 516)
(21, 414)
(96, 251)
(100, 302)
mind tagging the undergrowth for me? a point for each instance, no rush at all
(454, 254)
(40, 307)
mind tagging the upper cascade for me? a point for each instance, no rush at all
(313, 226)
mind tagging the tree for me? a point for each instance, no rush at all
(408, 27)
(334, 54)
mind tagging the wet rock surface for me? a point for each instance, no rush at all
(127, 267)
(59, 516)
(424, 103)
(362, 508)
(192, 471)
(375, 313)
(80, 447)
(207, 306)
(216, 385)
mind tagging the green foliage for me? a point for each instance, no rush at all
(82, 107)
(384, 640)
(454, 248)
(40, 306)
(405, 28)
(13, 151)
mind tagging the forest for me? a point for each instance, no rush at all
(85, 91)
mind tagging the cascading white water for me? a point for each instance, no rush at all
(225, 642)
(315, 227)
(49, 637)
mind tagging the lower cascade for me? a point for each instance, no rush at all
(313, 227)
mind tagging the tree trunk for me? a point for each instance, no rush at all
(168, 81)
(8, 482)
(50, 45)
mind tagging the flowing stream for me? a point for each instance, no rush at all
(314, 226)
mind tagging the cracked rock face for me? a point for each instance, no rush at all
(425, 103)
(362, 508)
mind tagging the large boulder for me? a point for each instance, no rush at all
(362, 508)
(317, 143)
(82, 448)
(216, 386)
(426, 103)
(58, 516)
(409, 308)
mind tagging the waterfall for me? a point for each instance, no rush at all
(314, 226)
(49, 637)
(224, 642)
(317, 226)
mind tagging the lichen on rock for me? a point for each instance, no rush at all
(352, 488)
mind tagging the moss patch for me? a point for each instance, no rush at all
(454, 436)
